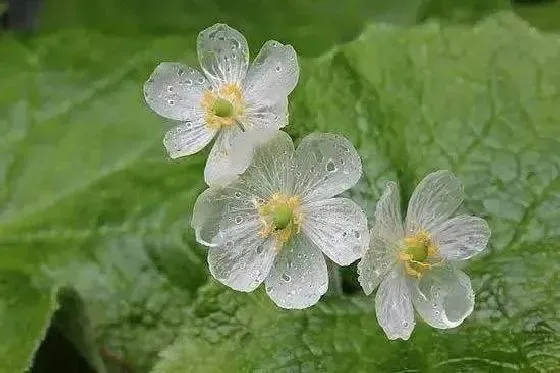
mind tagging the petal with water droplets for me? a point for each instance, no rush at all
(299, 275)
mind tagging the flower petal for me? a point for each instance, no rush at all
(299, 275)
(187, 138)
(241, 259)
(326, 165)
(219, 169)
(221, 208)
(434, 200)
(393, 306)
(385, 237)
(443, 297)
(223, 54)
(266, 114)
(338, 226)
(174, 91)
(271, 166)
(273, 74)
(461, 237)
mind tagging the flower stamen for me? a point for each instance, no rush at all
(280, 217)
(222, 106)
(419, 254)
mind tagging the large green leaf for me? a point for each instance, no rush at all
(25, 313)
(483, 102)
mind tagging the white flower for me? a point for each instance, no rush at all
(414, 263)
(272, 223)
(226, 98)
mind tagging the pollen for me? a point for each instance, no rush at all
(419, 254)
(222, 106)
(280, 217)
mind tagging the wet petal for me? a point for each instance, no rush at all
(174, 91)
(462, 237)
(223, 54)
(266, 115)
(299, 275)
(393, 306)
(219, 168)
(338, 226)
(443, 297)
(271, 165)
(187, 138)
(434, 200)
(386, 235)
(241, 259)
(326, 165)
(221, 208)
(274, 73)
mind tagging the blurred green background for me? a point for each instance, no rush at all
(99, 271)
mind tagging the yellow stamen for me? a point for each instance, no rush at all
(419, 254)
(222, 106)
(280, 217)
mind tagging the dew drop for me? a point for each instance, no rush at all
(200, 80)
(225, 59)
(278, 68)
(357, 234)
(289, 264)
(436, 293)
(171, 102)
(234, 56)
(434, 306)
(298, 174)
(237, 195)
(342, 161)
(260, 249)
(274, 44)
(330, 167)
(436, 312)
(188, 124)
(170, 88)
(188, 82)
(238, 220)
(286, 277)
(405, 324)
(344, 234)
(229, 244)
(180, 72)
(312, 169)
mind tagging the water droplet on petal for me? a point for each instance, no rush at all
(188, 82)
(188, 124)
(278, 68)
(200, 80)
(260, 249)
(238, 220)
(170, 88)
(171, 102)
(330, 167)
(405, 324)
(357, 234)
(237, 195)
(286, 277)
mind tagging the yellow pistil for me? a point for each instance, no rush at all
(419, 254)
(222, 106)
(280, 217)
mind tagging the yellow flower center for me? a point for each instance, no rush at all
(222, 106)
(419, 254)
(280, 217)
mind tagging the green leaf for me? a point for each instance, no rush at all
(482, 101)
(25, 313)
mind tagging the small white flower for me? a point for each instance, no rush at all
(272, 223)
(414, 263)
(226, 98)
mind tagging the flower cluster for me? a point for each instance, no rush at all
(271, 213)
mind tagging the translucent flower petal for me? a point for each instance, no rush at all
(218, 209)
(385, 237)
(461, 237)
(220, 168)
(443, 297)
(223, 54)
(273, 74)
(299, 275)
(266, 115)
(434, 200)
(393, 306)
(174, 91)
(271, 167)
(241, 259)
(338, 226)
(326, 165)
(187, 138)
